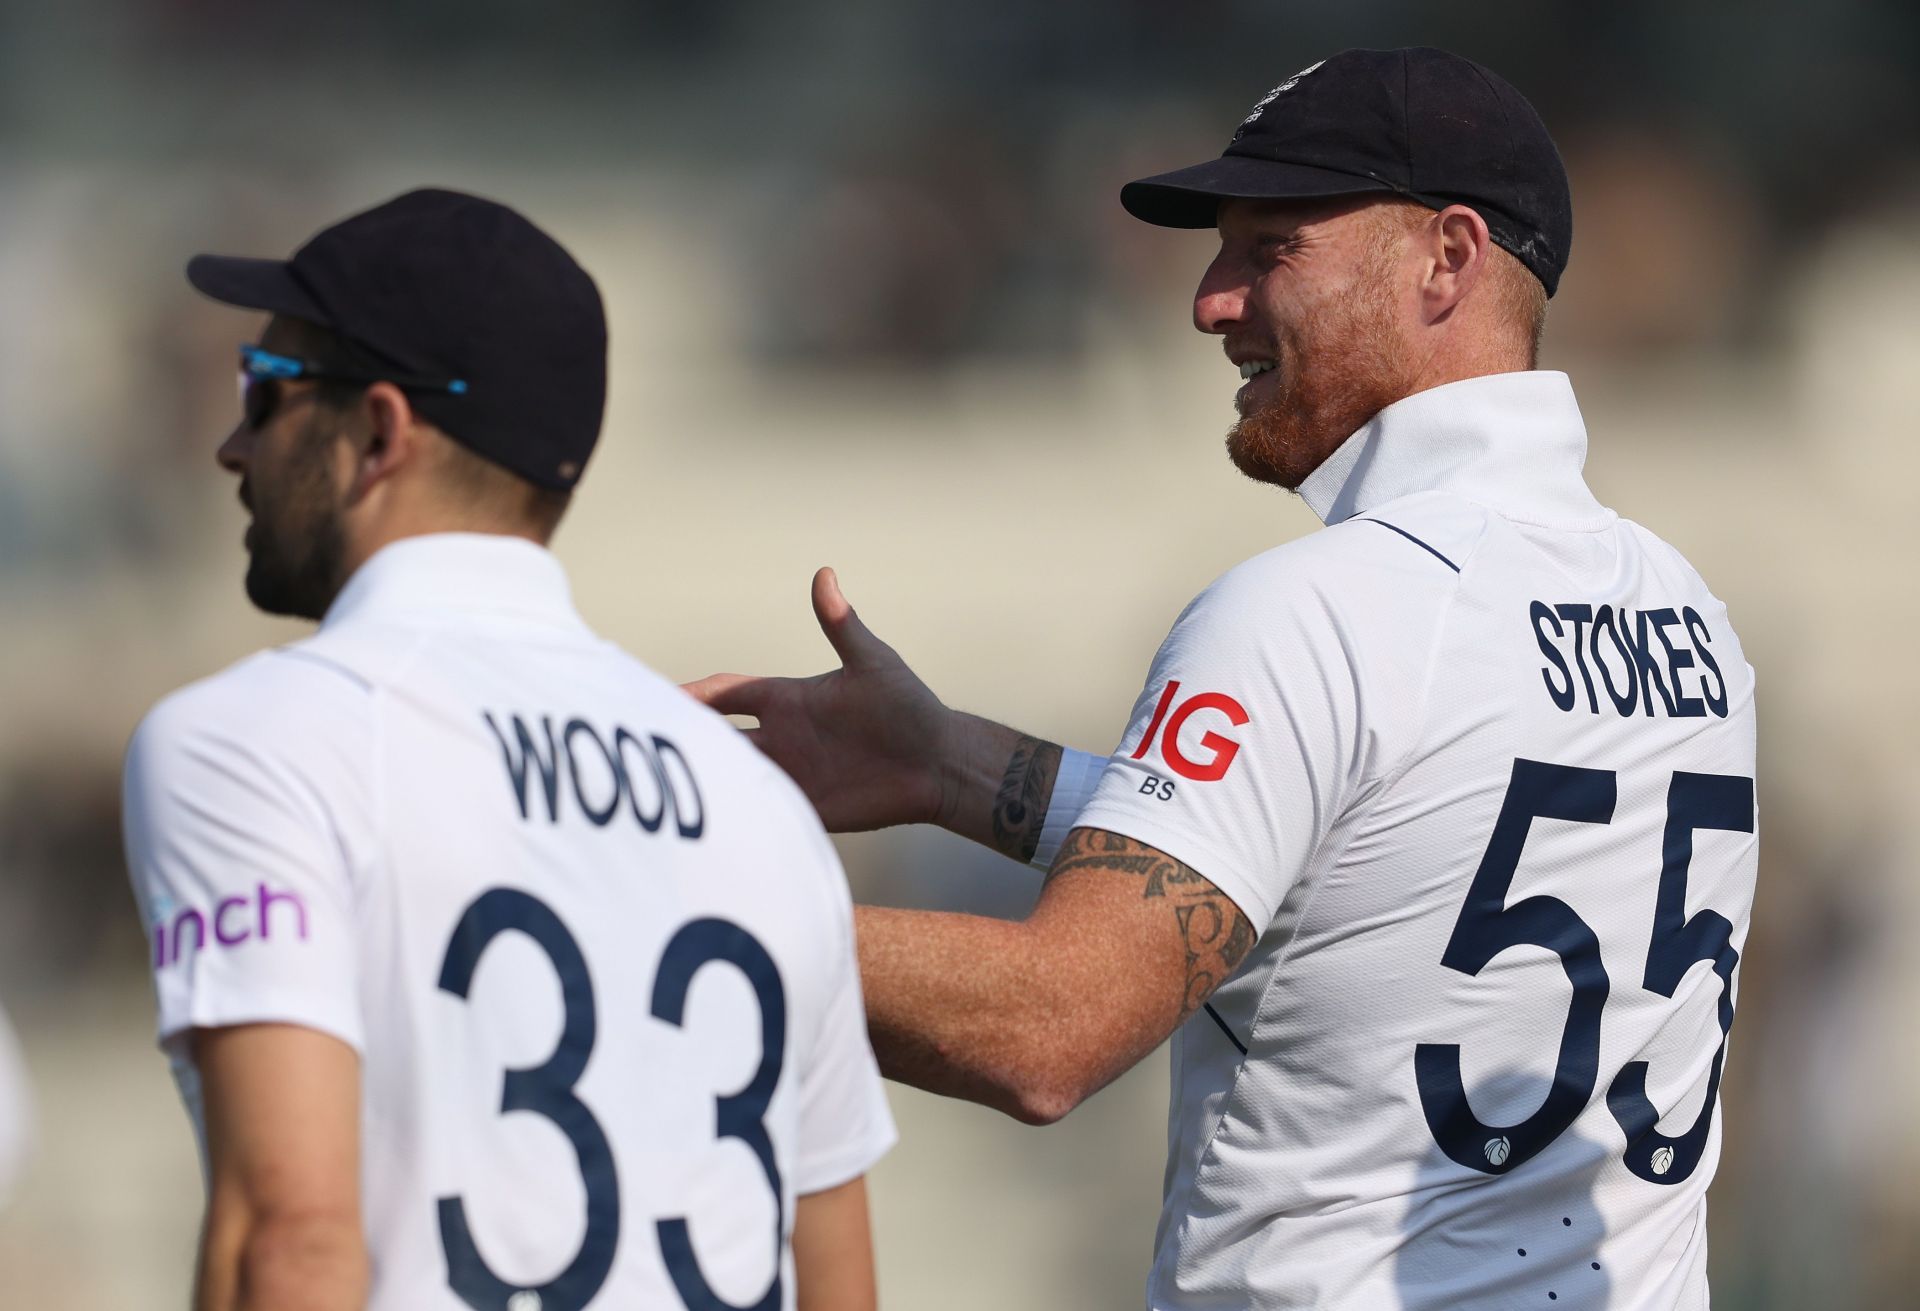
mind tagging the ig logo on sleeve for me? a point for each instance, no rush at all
(1220, 749)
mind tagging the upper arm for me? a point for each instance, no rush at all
(1133, 942)
(281, 1109)
(242, 802)
(833, 1250)
(1246, 743)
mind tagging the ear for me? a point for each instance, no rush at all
(392, 438)
(1456, 245)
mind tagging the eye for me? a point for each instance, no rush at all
(1270, 251)
(257, 399)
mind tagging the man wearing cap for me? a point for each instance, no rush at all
(1430, 838)
(494, 971)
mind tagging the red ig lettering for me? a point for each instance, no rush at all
(1224, 749)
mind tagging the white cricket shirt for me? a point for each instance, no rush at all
(595, 952)
(1477, 762)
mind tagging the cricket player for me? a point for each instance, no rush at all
(1430, 840)
(495, 971)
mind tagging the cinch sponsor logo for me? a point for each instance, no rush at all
(234, 920)
(1221, 749)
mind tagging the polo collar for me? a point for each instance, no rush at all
(1513, 442)
(459, 573)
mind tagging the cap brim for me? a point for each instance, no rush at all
(253, 284)
(1190, 197)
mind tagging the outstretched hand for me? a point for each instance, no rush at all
(865, 741)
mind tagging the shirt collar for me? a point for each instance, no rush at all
(459, 573)
(1513, 442)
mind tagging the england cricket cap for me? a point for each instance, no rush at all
(448, 287)
(1418, 123)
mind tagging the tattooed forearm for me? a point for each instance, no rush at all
(1020, 808)
(1216, 936)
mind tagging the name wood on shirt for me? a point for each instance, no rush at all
(607, 774)
(1645, 660)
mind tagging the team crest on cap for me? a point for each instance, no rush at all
(1272, 96)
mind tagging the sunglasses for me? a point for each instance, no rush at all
(262, 372)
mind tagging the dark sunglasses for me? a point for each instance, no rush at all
(261, 372)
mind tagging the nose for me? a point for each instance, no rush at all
(1220, 301)
(233, 452)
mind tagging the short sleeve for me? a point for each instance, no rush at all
(845, 1123)
(1240, 750)
(237, 856)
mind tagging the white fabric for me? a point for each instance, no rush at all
(1374, 690)
(306, 829)
(16, 1111)
(1073, 785)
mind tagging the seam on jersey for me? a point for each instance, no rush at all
(372, 691)
(1432, 664)
(354, 676)
(1608, 521)
(1415, 540)
(1306, 909)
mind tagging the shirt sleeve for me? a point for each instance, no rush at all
(845, 1123)
(1241, 749)
(238, 862)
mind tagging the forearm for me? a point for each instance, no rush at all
(299, 1263)
(948, 1002)
(971, 1007)
(996, 785)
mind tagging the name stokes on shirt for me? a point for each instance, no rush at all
(608, 774)
(1631, 660)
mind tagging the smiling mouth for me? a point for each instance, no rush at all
(1254, 368)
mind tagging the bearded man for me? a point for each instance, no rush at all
(1431, 840)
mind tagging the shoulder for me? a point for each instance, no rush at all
(285, 707)
(1391, 569)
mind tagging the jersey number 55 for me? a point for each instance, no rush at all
(1488, 926)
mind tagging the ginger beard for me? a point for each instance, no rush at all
(1341, 361)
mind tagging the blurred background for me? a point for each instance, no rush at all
(874, 304)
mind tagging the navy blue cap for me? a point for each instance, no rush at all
(1419, 123)
(442, 285)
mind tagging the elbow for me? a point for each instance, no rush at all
(1044, 1097)
(310, 1260)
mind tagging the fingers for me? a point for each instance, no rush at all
(852, 641)
(732, 694)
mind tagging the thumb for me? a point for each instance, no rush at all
(851, 639)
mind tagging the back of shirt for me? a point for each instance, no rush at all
(1489, 795)
(595, 952)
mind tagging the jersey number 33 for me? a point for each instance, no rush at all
(548, 1090)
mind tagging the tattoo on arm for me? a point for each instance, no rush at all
(1020, 808)
(1216, 935)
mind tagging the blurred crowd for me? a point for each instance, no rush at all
(874, 304)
